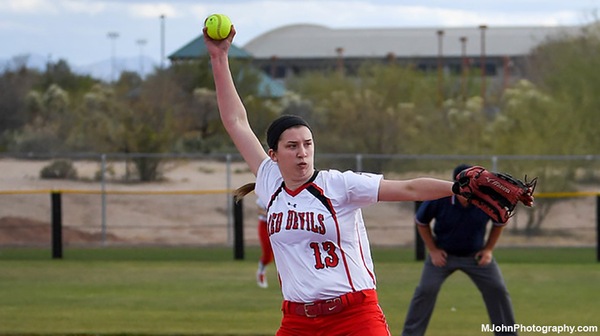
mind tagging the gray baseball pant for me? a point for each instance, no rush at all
(488, 280)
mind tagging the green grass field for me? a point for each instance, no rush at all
(186, 291)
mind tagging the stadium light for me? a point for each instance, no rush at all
(340, 59)
(483, 88)
(113, 37)
(162, 41)
(141, 43)
(465, 66)
(440, 65)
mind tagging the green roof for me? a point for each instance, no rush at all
(196, 48)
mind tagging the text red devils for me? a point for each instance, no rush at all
(308, 221)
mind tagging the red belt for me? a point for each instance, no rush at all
(327, 307)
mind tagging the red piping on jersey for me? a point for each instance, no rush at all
(311, 185)
(339, 239)
(362, 255)
(294, 193)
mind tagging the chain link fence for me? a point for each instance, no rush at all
(188, 200)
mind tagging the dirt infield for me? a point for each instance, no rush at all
(190, 207)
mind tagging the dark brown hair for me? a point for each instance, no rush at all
(242, 191)
(281, 124)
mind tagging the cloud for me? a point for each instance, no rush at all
(153, 10)
(85, 7)
(27, 6)
(46, 7)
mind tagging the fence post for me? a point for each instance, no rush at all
(419, 243)
(103, 189)
(238, 224)
(359, 162)
(598, 227)
(56, 225)
(494, 163)
(230, 203)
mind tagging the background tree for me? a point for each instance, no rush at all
(377, 112)
(465, 124)
(559, 114)
(567, 68)
(48, 122)
(126, 124)
(100, 122)
(60, 73)
(530, 121)
(14, 86)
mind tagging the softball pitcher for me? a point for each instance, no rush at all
(314, 218)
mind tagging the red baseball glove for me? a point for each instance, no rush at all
(497, 194)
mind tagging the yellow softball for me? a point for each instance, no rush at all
(218, 26)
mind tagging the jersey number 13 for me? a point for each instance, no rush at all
(328, 249)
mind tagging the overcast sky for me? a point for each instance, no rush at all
(77, 30)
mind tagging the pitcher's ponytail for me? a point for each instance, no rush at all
(242, 191)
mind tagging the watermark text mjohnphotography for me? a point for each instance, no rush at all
(542, 329)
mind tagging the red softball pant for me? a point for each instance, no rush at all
(363, 319)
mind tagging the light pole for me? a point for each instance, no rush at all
(483, 88)
(440, 66)
(162, 41)
(465, 66)
(273, 66)
(141, 43)
(506, 67)
(340, 59)
(113, 37)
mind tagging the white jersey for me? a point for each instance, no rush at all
(261, 210)
(317, 232)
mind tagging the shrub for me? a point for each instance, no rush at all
(59, 169)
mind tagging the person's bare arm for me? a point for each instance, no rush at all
(417, 189)
(232, 110)
(438, 256)
(485, 256)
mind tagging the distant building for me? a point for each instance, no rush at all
(196, 49)
(294, 49)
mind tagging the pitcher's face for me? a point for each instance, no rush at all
(295, 154)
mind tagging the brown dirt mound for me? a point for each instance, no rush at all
(24, 231)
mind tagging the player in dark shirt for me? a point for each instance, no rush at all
(457, 243)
